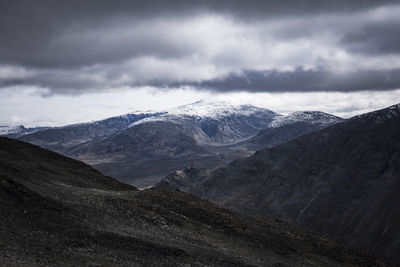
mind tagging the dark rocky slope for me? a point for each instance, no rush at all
(57, 211)
(343, 181)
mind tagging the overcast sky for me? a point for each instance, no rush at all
(72, 61)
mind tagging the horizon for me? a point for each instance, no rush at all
(210, 102)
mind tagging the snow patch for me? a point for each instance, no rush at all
(149, 119)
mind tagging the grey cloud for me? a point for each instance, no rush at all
(299, 80)
(88, 48)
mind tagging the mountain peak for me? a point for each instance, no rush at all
(215, 109)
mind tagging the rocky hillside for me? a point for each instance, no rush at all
(60, 212)
(343, 181)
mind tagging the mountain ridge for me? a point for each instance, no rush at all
(142, 148)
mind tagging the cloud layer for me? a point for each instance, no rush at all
(75, 47)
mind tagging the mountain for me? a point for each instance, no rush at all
(342, 181)
(142, 148)
(60, 138)
(218, 122)
(60, 212)
(190, 135)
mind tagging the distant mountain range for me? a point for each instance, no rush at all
(342, 181)
(56, 211)
(141, 148)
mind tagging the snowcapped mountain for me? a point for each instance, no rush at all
(207, 109)
(216, 110)
(217, 122)
(190, 135)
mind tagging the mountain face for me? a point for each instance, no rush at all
(56, 211)
(142, 148)
(218, 122)
(192, 135)
(147, 150)
(343, 181)
(224, 123)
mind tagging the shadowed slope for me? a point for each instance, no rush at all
(61, 212)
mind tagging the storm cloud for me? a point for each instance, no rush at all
(75, 47)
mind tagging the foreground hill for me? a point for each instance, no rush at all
(60, 212)
(343, 181)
